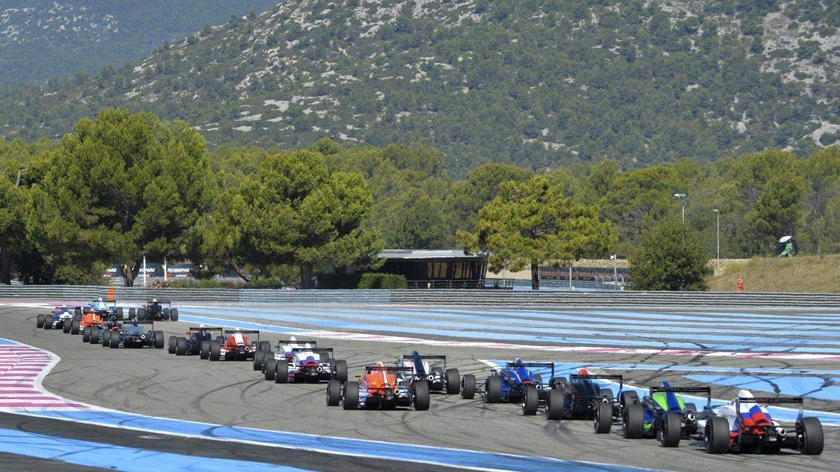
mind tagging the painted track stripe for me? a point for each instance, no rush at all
(126, 459)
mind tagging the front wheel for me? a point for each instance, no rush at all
(555, 403)
(333, 392)
(158, 339)
(94, 335)
(48, 322)
(173, 342)
(39, 321)
(281, 371)
(115, 340)
(204, 353)
(173, 314)
(634, 421)
(181, 346)
(259, 356)
(453, 382)
(75, 326)
(340, 370)
(350, 400)
(86, 334)
(269, 369)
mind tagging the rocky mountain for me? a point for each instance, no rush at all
(538, 82)
(40, 39)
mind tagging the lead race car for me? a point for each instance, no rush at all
(300, 361)
(155, 310)
(379, 388)
(235, 345)
(440, 379)
(744, 425)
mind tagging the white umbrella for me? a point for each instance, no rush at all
(785, 239)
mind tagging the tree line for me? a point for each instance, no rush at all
(127, 185)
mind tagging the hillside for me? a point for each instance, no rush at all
(812, 274)
(539, 83)
(40, 39)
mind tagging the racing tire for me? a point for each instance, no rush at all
(493, 389)
(173, 314)
(634, 421)
(468, 387)
(204, 351)
(215, 351)
(173, 342)
(554, 404)
(39, 321)
(181, 346)
(164, 314)
(350, 399)
(281, 374)
(603, 417)
(264, 346)
(120, 313)
(66, 327)
(106, 338)
(811, 436)
(94, 335)
(628, 398)
(717, 435)
(115, 340)
(333, 392)
(48, 322)
(74, 327)
(340, 371)
(607, 393)
(670, 430)
(132, 312)
(141, 314)
(86, 334)
(453, 382)
(530, 401)
(158, 339)
(259, 357)
(268, 369)
(77, 311)
(422, 397)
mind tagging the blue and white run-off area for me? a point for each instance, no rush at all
(69, 405)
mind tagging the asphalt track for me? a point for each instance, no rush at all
(154, 383)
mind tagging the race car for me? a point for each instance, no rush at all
(155, 310)
(379, 388)
(235, 345)
(90, 320)
(583, 397)
(104, 310)
(197, 341)
(440, 379)
(102, 334)
(60, 318)
(134, 335)
(516, 383)
(664, 414)
(301, 361)
(744, 425)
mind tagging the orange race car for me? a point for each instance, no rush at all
(380, 388)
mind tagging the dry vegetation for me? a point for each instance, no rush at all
(813, 274)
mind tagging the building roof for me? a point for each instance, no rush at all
(427, 254)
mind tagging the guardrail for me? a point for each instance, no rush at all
(695, 300)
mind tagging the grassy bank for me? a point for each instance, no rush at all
(795, 274)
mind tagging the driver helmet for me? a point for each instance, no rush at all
(745, 394)
(100, 299)
(292, 340)
(63, 306)
(202, 326)
(379, 364)
(154, 300)
(134, 321)
(307, 346)
(236, 329)
(517, 362)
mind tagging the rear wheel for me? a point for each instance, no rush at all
(493, 389)
(468, 387)
(39, 321)
(120, 313)
(204, 352)
(530, 401)
(340, 370)
(603, 417)
(115, 340)
(268, 369)
(333, 392)
(811, 436)
(94, 335)
(173, 342)
(158, 339)
(48, 322)
(181, 346)
(106, 338)
(77, 311)
(215, 351)
(555, 403)
(141, 314)
(628, 398)
(670, 430)
(634, 421)
(258, 360)
(717, 435)
(75, 326)
(86, 334)
(132, 312)
(281, 372)
(453, 382)
(66, 326)
(351, 395)
(173, 314)
(421, 395)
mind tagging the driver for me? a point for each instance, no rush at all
(65, 312)
(99, 305)
(134, 327)
(155, 309)
(112, 322)
(203, 334)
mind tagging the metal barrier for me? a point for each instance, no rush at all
(696, 300)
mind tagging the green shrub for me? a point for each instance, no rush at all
(373, 280)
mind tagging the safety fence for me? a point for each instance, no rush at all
(696, 300)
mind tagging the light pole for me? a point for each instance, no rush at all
(615, 269)
(717, 265)
(681, 196)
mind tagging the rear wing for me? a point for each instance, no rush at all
(409, 356)
(299, 344)
(772, 401)
(244, 331)
(618, 377)
(160, 302)
(387, 368)
(706, 390)
(213, 328)
(549, 365)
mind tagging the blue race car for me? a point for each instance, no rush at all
(133, 335)
(664, 414)
(197, 341)
(516, 383)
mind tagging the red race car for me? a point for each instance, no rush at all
(380, 388)
(236, 346)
